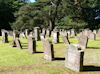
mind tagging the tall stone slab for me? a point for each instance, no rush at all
(82, 41)
(94, 31)
(42, 36)
(48, 50)
(26, 32)
(48, 33)
(37, 33)
(55, 37)
(4, 36)
(31, 45)
(18, 43)
(74, 58)
(98, 33)
(15, 34)
(65, 39)
(44, 31)
(73, 33)
(92, 36)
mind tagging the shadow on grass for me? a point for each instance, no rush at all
(91, 68)
(38, 52)
(59, 58)
(93, 47)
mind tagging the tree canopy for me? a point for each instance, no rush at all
(66, 14)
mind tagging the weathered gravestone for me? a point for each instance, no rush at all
(18, 43)
(42, 36)
(48, 50)
(74, 58)
(4, 36)
(82, 41)
(98, 33)
(37, 33)
(13, 44)
(94, 31)
(10, 33)
(55, 37)
(92, 36)
(64, 33)
(44, 31)
(15, 34)
(22, 35)
(65, 39)
(48, 33)
(31, 45)
(86, 32)
(73, 33)
(26, 32)
(31, 34)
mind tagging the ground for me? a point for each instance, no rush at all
(16, 61)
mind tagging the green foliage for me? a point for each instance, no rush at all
(61, 13)
(7, 9)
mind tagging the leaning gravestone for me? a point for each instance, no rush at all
(65, 39)
(55, 36)
(48, 50)
(74, 58)
(31, 45)
(18, 43)
(4, 36)
(83, 40)
(36, 33)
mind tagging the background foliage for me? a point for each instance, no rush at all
(65, 14)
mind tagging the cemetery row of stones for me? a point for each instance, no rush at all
(74, 53)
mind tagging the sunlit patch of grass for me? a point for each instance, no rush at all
(13, 60)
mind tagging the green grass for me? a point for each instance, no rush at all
(16, 61)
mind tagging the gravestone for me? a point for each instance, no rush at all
(92, 36)
(18, 43)
(73, 34)
(31, 45)
(13, 44)
(26, 32)
(69, 33)
(74, 58)
(44, 31)
(22, 35)
(55, 37)
(31, 34)
(37, 33)
(10, 33)
(42, 36)
(98, 33)
(94, 31)
(4, 36)
(48, 33)
(82, 41)
(15, 34)
(85, 32)
(65, 40)
(48, 50)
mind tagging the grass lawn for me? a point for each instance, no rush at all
(16, 61)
